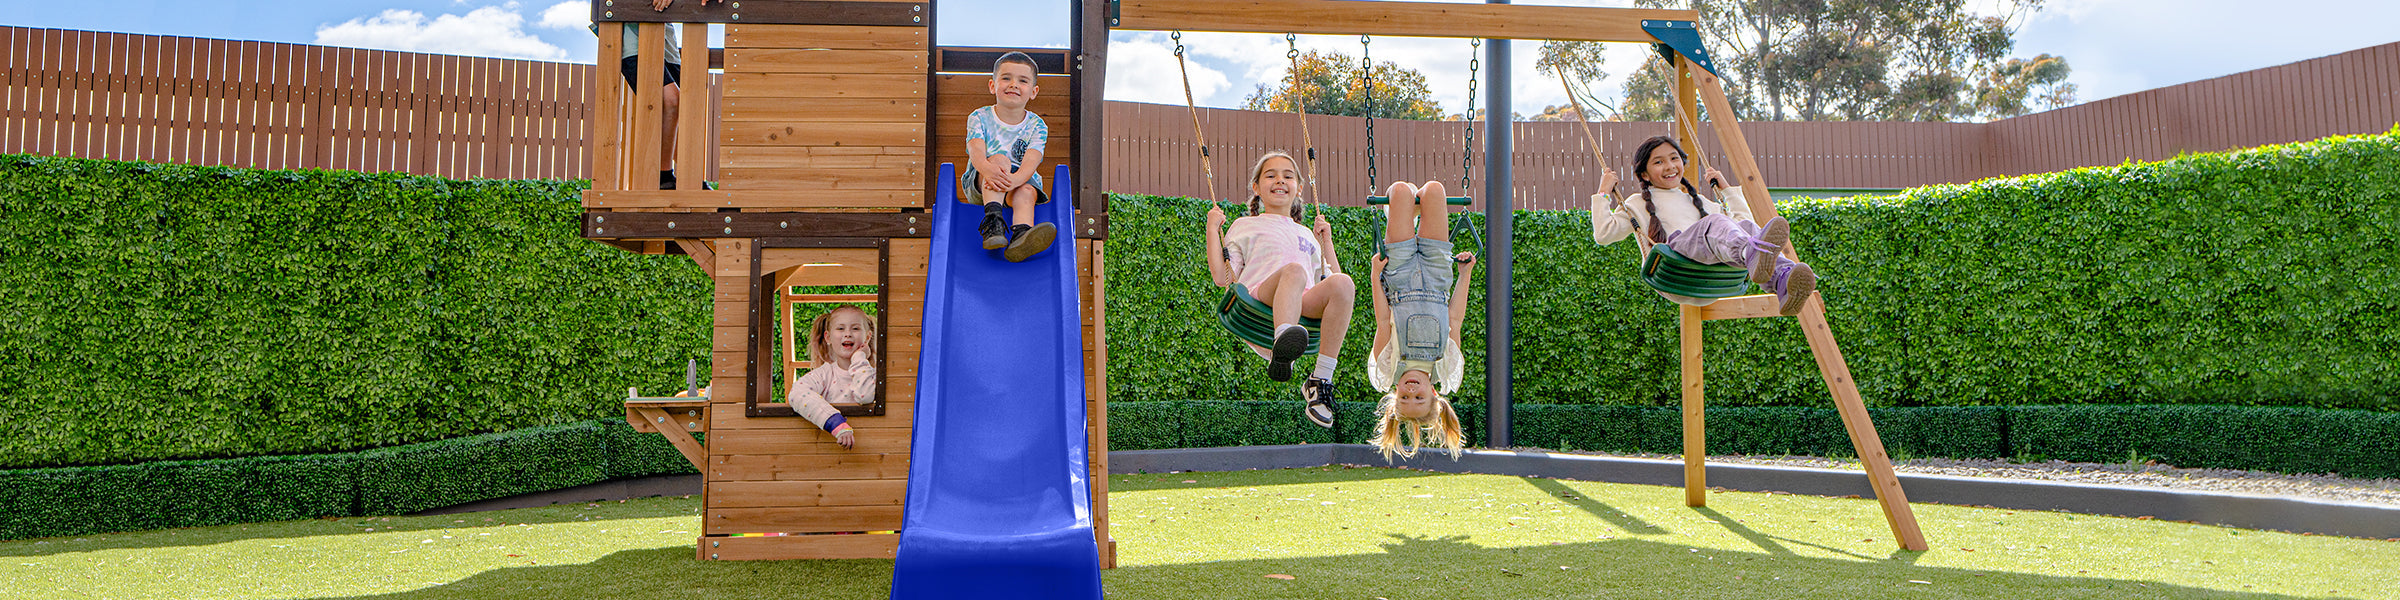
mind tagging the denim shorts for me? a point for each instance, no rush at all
(970, 187)
(1417, 278)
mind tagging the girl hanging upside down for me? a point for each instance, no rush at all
(1670, 212)
(1419, 302)
(1292, 269)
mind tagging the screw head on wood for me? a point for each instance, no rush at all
(608, 15)
(729, 219)
(599, 218)
(670, 224)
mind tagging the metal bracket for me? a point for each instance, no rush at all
(1680, 37)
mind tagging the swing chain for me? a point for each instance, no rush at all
(1366, 74)
(1466, 168)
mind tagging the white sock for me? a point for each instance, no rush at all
(1325, 367)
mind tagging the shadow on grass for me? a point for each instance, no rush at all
(1409, 567)
(217, 534)
(1142, 482)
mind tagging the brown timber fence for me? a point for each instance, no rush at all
(272, 105)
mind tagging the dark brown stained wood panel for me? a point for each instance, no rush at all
(824, 60)
(745, 35)
(726, 521)
(799, 547)
(838, 110)
(805, 467)
(823, 85)
(878, 13)
(766, 494)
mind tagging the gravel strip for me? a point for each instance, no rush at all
(2385, 492)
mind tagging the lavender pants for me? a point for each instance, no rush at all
(1719, 239)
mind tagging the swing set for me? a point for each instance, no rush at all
(1697, 83)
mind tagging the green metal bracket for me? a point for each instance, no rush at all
(1680, 37)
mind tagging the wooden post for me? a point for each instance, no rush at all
(607, 156)
(1695, 418)
(692, 128)
(1098, 415)
(1846, 399)
(1687, 123)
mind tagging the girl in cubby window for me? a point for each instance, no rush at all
(1419, 303)
(842, 344)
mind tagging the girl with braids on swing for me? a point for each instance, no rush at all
(1419, 303)
(1670, 212)
(1291, 268)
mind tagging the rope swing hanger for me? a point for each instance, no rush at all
(1207, 165)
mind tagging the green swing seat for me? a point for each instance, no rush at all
(1668, 271)
(1253, 321)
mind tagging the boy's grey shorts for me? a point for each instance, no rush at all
(1417, 277)
(970, 187)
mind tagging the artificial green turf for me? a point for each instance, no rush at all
(1338, 532)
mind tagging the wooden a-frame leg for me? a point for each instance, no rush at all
(1695, 417)
(1861, 428)
(1812, 322)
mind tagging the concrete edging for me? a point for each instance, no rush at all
(2247, 511)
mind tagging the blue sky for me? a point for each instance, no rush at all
(2115, 46)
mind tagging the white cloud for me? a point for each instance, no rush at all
(493, 31)
(1142, 69)
(572, 14)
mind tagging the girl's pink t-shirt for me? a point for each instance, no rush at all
(1258, 245)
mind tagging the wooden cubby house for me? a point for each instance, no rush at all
(826, 125)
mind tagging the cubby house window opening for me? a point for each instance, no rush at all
(797, 280)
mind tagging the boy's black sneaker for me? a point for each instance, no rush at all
(994, 230)
(1319, 394)
(666, 179)
(1290, 342)
(1030, 241)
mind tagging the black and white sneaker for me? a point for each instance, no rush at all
(1319, 394)
(1290, 341)
(1029, 241)
(994, 230)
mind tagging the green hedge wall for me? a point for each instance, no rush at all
(2264, 277)
(175, 312)
(168, 312)
(384, 481)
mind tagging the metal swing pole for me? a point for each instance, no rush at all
(1498, 205)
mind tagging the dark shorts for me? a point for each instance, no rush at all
(633, 66)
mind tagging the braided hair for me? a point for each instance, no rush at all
(1641, 167)
(1260, 168)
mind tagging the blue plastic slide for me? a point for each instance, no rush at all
(999, 505)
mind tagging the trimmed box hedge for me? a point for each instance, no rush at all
(402, 479)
